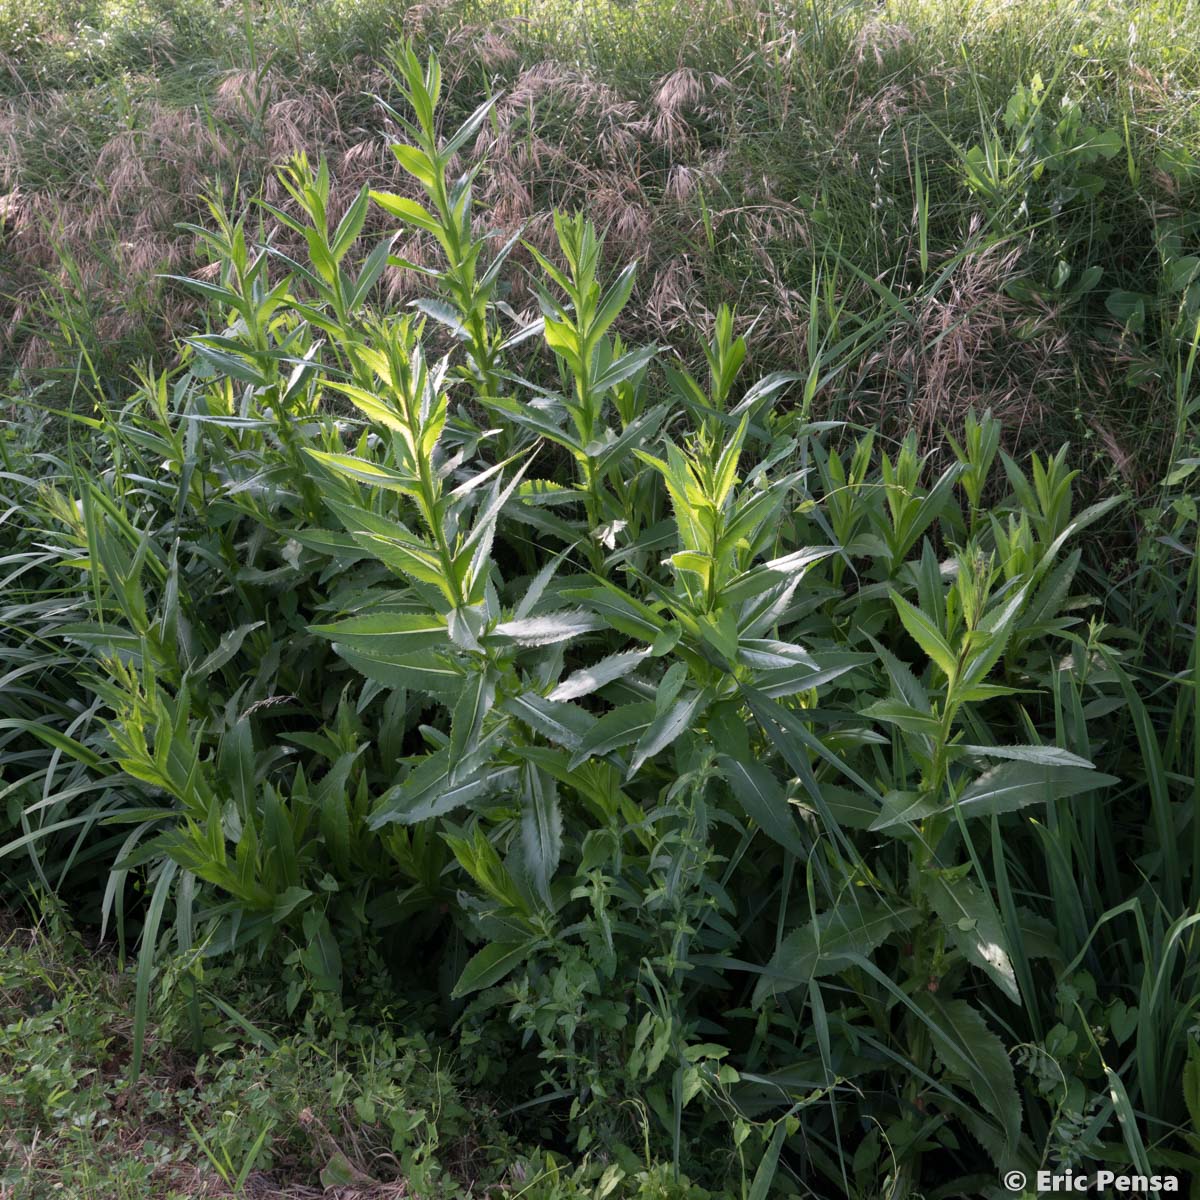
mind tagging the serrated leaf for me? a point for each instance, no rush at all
(339, 1172)
(478, 693)
(443, 313)
(559, 721)
(615, 729)
(829, 943)
(363, 470)
(1045, 756)
(854, 810)
(895, 712)
(407, 210)
(765, 802)
(974, 926)
(787, 681)
(430, 791)
(902, 808)
(591, 679)
(1013, 785)
(424, 671)
(371, 406)
(968, 1049)
(541, 828)
(387, 633)
(925, 633)
(228, 646)
(665, 728)
(545, 631)
(620, 611)
(758, 579)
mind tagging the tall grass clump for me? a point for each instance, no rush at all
(764, 795)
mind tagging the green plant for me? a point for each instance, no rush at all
(1058, 147)
(735, 780)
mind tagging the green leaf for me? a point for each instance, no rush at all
(443, 313)
(788, 567)
(787, 681)
(476, 698)
(350, 226)
(228, 646)
(828, 944)
(591, 679)
(541, 828)
(545, 631)
(1045, 756)
(902, 808)
(1013, 785)
(407, 210)
(852, 809)
(147, 954)
(373, 408)
(615, 729)
(363, 470)
(1191, 1084)
(415, 161)
(387, 633)
(612, 303)
(425, 671)
(926, 634)
(535, 421)
(563, 723)
(623, 368)
(665, 728)
(620, 611)
(912, 720)
(372, 269)
(468, 128)
(974, 926)
(969, 1050)
(764, 1175)
(339, 1172)
(490, 965)
(765, 802)
(432, 790)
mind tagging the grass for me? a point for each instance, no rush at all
(740, 152)
(260, 1111)
(71, 1123)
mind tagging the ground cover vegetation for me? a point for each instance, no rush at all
(598, 602)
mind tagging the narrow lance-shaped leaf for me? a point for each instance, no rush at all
(614, 730)
(765, 802)
(926, 634)
(665, 728)
(1013, 785)
(590, 679)
(970, 1050)
(541, 828)
(545, 631)
(974, 926)
(491, 965)
(387, 633)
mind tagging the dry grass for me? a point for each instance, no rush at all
(965, 350)
(709, 178)
(561, 138)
